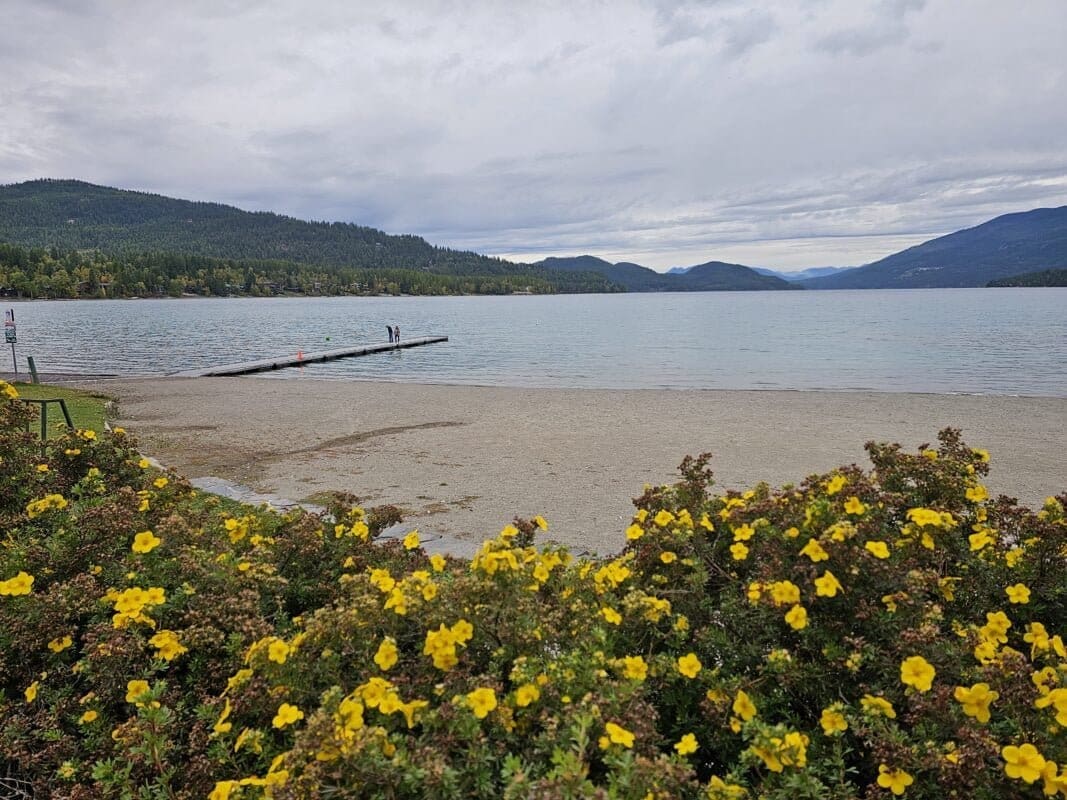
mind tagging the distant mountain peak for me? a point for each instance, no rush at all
(710, 276)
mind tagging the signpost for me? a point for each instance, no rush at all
(10, 337)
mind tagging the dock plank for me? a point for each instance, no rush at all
(283, 362)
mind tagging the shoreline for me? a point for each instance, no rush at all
(103, 378)
(462, 461)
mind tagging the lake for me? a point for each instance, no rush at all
(985, 341)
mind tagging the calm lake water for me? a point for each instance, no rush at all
(1003, 341)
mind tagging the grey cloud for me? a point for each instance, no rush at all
(861, 41)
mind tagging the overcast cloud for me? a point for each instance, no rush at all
(786, 134)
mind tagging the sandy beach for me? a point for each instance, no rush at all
(464, 460)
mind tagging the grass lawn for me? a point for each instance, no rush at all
(86, 408)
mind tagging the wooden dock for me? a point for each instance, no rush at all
(300, 359)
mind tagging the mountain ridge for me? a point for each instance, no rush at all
(1005, 246)
(76, 215)
(707, 277)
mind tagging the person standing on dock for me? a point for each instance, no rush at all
(396, 334)
(390, 329)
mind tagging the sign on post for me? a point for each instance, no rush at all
(10, 336)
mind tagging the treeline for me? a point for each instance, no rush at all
(1048, 277)
(53, 273)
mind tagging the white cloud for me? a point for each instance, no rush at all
(640, 129)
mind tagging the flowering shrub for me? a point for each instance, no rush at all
(863, 634)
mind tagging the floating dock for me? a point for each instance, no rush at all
(300, 359)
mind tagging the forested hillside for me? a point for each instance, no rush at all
(1048, 277)
(55, 273)
(75, 239)
(73, 215)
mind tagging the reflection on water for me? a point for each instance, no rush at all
(1004, 341)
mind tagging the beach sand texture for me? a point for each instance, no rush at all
(463, 461)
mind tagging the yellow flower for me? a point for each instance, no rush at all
(742, 533)
(877, 549)
(948, 587)
(19, 585)
(718, 789)
(634, 532)
(833, 721)
(686, 745)
(540, 522)
(616, 734)
(663, 518)
(167, 644)
(668, 556)
(814, 551)
(278, 651)
(976, 700)
(160, 482)
(738, 551)
(287, 715)
(526, 694)
(980, 540)
(375, 691)
(916, 671)
(1019, 594)
(223, 790)
(1057, 698)
(925, 516)
(411, 541)
(51, 501)
(634, 668)
(785, 593)
(222, 724)
(827, 585)
(1014, 556)
(895, 780)
(996, 627)
(797, 617)
(88, 716)
(31, 691)
(689, 665)
(836, 484)
(1023, 763)
(878, 706)
(611, 615)
(386, 656)
(42, 468)
(58, 645)
(743, 706)
(145, 542)
(855, 507)
(481, 702)
(976, 494)
(437, 561)
(135, 690)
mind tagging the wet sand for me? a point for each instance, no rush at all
(464, 460)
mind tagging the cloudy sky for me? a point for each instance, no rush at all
(786, 134)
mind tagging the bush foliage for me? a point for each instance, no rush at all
(862, 634)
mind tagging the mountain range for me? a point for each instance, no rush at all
(74, 216)
(712, 276)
